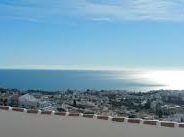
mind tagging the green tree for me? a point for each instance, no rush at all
(74, 103)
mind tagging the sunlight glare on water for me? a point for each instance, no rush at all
(170, 79)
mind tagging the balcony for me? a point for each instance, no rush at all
(18, 123)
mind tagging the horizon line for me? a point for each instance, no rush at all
(84, 68)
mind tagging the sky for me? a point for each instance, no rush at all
(92, 34)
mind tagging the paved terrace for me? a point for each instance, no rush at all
(16, 122)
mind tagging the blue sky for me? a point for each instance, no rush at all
(92, 34)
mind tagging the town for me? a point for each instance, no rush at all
(166, 105)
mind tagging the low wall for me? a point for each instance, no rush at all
(18, 122)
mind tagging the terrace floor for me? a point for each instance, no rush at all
(19, 124)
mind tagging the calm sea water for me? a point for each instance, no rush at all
(78, 80)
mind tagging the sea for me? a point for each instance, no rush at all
(54, 80)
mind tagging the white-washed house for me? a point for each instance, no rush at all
(28, 101)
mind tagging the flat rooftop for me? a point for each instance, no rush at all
(21, 124)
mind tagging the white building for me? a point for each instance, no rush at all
(28, 101)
